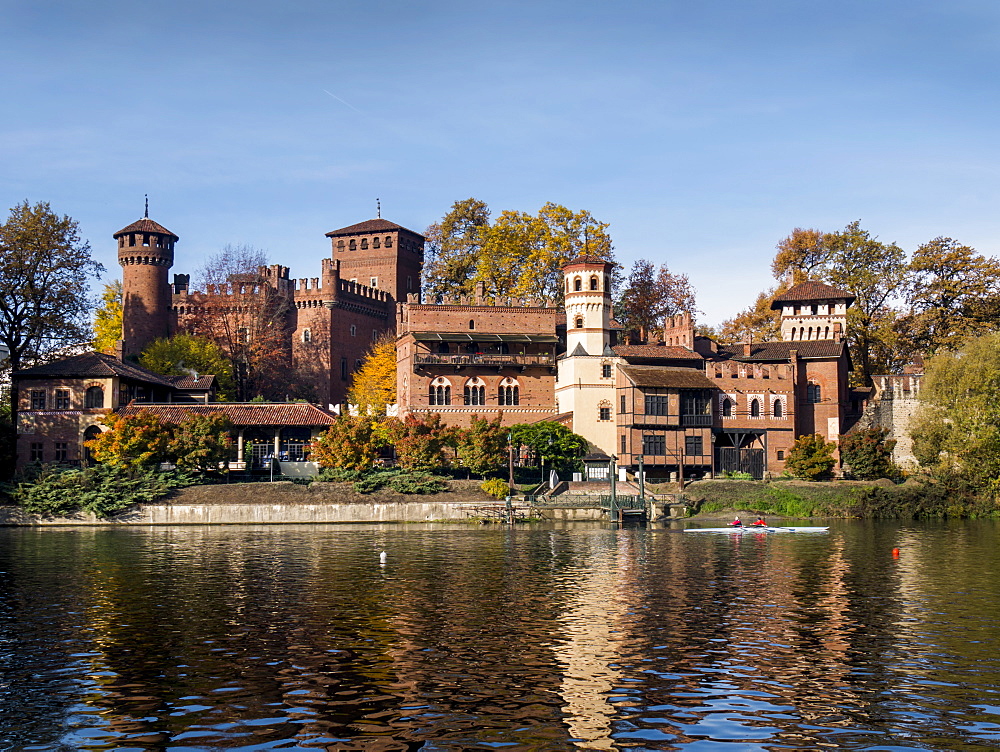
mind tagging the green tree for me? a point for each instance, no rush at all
(201, 442)
(956, 433)
(44, 270)
(421, 442)
(351, 442)
(811, 457)
(557, 445)
(758, 322)
(133, 441)
(868, 454)
(803, 255)
(108, 318)
(373, 386)
(185, 353)
(649, 296)
(453, 249)
(482, 447)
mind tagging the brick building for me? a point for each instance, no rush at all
(330, 320)
(466, 356)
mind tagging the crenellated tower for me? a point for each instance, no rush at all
(146, 253)
(812, 311)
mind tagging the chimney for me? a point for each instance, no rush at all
(480, 293)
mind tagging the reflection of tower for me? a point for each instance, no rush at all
(146, 253)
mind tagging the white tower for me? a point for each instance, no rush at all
(588, 305)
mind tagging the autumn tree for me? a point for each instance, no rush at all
(187, 354)
(373, 386)
(108, 318)
(133, 441)
(758, 323)
(44, 270)
(244, 312)
(201, 442)
(953, 293)
(811, 457)
(351, 442)
(453, 249)
(421, 443)
(801, 256)
(482, 447)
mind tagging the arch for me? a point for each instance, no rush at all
(509, 392)
(727, 407)
(440, 391)
(594, 284)
(93, 397)
(579, 322)
(577, 284)
(778, 409)
(755, 408)
(475, 391)
(814, 393)
(90, 434)
(472, 323)
(826, 333)
(364, 244)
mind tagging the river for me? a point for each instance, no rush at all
(577, 636)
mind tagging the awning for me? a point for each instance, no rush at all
(550, 339)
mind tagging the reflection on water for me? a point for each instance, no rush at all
(571, 637)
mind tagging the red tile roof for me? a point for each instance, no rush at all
(145, 225)
(370, 226)
(187, 381)
(586, 259)
(811, 291)
(240, 413)
(657, 376)
(93, 365)
(778, 351)
(666, 352)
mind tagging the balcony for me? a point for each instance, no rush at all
(490, 360)
(696, 420)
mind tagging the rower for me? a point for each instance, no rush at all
(736, 523)
(760, 522)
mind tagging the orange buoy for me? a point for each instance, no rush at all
(895, 553)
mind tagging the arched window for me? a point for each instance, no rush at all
(475, 391)
(472, 324)
(509, 393)
(577, 284)
(778, 410)
(94, 397)
(364, 244)
(755, 408)
(727, 408)
(388, 241)
(306, 335)
(353, 245)
(375, 243)
(579, 322)
(813, 393)
(826, 333)
(593, 283)
(440, 391)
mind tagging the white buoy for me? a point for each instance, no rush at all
(381, 558)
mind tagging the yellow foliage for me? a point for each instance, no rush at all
(108, 318)
(374, 384)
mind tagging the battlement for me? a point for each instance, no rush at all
(728, 370)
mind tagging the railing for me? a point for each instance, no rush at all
(696, 420)
(485, 359)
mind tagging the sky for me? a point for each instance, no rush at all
(702, 132)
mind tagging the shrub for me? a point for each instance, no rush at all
(811, 457)
(339, 475)
(868, 453)
(418, 483)
(496, 487)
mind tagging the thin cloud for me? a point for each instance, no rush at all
(344, 103)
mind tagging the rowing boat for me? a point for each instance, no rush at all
(755, 529)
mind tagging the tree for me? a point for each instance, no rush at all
(650, 296)
(187, 354)
(373, 386)
(551, 441)
(759, 322)
(244, 312)
(868, 454)
(421, 442)
(482, 447)
(801, 256)
(133, 441)
(811, 457)
(44, 271)
(108, 318)
(956, 432)
(453, 249)
(954, 292)
(201, 442)
(351, 442)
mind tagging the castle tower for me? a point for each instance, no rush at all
(588, 305)
(381, 254)
(812, 311)
(146, 253)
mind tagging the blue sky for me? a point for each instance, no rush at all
(703, 132)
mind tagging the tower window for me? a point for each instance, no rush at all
(754, 408)
(375, 243)
(374, 282)
(579, 322)
(306, 335)
(354, 330)
(440, 392)
(343, 368)
(340, 245)
(409, 283)
(472, 323)
(364, 244)
(778, 410)
(577, 284)
(475, 392)
(509, 393)
(727, 408)
(593, 283)
(388, 241)
(606, 370)
(353, 245)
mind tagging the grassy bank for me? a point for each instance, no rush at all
(865, 499)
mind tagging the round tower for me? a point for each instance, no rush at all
(588, 305)
(146, 253)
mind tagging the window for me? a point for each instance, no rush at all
(778, 409)
(755, 408)
(62, 399)
(374, 334)
(472, 323)
(374, 282)
(509, 393)
(37, 399)
(388, 241)
(693, 446)
(606, 370)
(656, 404)
(577, 284)
(343, 368)
(579, 322)
(593, 283)
(364, 244)
(604, 412)
(623, 445)
(353, 246)
(781, 454)
(623, 405)
(306, 335)
(409, 283)
(94, 397)
(375, 243)
(440, 392)
(813, 393)
(354, 330)
(475, 392)
(292, 447)
(765, 373)
(61, 451)
(653, 444)
(727, 408)
(35, 451)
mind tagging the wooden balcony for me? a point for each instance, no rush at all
(489, 360)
